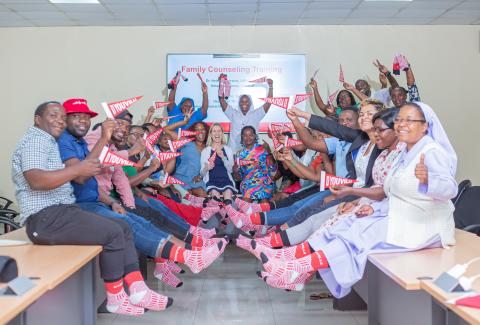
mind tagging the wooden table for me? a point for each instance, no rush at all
(392, 284)
(65, 290)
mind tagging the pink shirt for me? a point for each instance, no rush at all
(112, 175)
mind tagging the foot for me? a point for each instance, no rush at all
(142, 296)
(201, 259)
(120, 304)
(165, 274)
(202, 232)
(281, 282)
(208, 212)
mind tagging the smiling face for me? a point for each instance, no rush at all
(244, 104)
(344, 99)
(187, 106)
(78, 124)
(134, 134)
(120, 132)
(53, 120)
(410, 125)
(216, 133)
(399, 97)
(248, 137)
(163, 141)
(363, 86)
(349, 119)
(365, 117)
(202, 132)
(384, 136)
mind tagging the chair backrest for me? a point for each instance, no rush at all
(467, 208)
(462, 186)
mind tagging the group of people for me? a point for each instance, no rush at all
(396, 150)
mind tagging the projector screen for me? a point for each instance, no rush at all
(286, 70)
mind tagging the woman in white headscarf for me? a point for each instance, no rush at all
(417, 212)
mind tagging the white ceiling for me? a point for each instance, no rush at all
(22, 13)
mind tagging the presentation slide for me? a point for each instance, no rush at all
(286, 70)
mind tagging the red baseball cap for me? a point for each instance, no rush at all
(78, 105)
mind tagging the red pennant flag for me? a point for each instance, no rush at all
(301, 97)
(160, 104)
(171, 180)
(278, 101)
(289, 142)
(259, 80)
(328, 180)
(333, 96)
(165, 156)
(185, 133)
(150, 148)
(174, 145)
(277, 128)
(153, 137)
(111, 158)
(472, 301)
(212, 158)
(277, 145)
(116, 108)
(341, 78)
(200, 77)
(244, 162)
(166, 118)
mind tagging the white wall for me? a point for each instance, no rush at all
(99, 63)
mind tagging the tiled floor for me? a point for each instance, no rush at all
(229, 292)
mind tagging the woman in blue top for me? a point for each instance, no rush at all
(188, 165)
(187, 105)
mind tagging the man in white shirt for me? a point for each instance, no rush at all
(244, 115)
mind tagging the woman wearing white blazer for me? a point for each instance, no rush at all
(217, 163)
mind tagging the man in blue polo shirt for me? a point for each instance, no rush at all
(148, 238)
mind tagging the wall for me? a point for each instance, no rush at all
(99, 63)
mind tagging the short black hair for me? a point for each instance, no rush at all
(403, 90)
(146, 125)
(43, 106)
(352, 109)
(248, 127)
(96, 126)
(387, 116)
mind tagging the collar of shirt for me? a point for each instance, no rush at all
(42, 133)
(408, 156)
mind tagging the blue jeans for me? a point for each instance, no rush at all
(282, 215)
(164, 211)
(146, 236)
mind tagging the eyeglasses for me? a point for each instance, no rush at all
(407, 121)
(379, 130)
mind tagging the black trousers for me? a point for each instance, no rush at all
(160, 221)
(297, 196)
(67, 224)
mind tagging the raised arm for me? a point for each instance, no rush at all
(327, 126)
(304, 135)
(204, 107)
(413, 93)
(144, 174)
(318, 99)
(354, 90)
(150, 112)
(266, 106)
(300, 169)
(383, 69)
(171, 96)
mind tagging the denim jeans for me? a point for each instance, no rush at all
(146, 236)
(164, 210)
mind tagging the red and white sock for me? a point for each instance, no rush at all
(174, 267)
(243, 205)
(198, 260)
(164, 273)
(286, 254)
(239, 219)
(282, 282)
(293, 268)
(202, 232)
(118, 301)
(208, 212)
(142, 296)
(195, 200)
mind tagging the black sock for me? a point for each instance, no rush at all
(227, 202)
(188, 238)
(166, 250)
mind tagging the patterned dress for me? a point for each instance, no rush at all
(257, 183)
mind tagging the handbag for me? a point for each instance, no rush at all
(8, 269)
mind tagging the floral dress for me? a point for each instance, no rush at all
(257, 183)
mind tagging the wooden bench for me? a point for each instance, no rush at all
(65, 290)
(393, 283)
